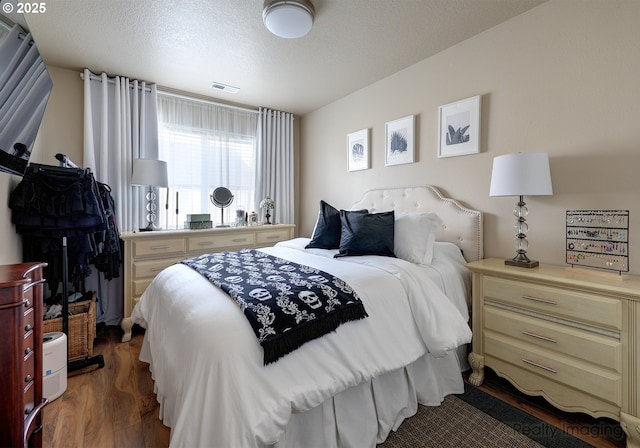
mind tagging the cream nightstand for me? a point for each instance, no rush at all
(569, 335)
(148, 253)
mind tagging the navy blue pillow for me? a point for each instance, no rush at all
(366, 234)
(326, 234)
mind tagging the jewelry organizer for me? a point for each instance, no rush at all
(598, 239)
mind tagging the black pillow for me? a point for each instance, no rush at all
(366, 234)
(326, 234)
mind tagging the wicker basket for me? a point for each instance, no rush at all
(81, 329)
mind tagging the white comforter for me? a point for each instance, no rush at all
(208, 366)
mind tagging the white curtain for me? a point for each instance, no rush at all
(120, 124)
(275, 163)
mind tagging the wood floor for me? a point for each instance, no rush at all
(115, 406)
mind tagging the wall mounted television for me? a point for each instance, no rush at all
(25, 86)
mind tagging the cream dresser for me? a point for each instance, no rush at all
(569, 335)
(148, 253)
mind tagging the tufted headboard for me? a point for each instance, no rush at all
(462, 226)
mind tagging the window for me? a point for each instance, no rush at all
(205, 145)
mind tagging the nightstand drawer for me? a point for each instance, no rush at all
(213, 242)
(593, 380)
(142, 248)
(565, 340)
(560, 302)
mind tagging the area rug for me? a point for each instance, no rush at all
(477, 419)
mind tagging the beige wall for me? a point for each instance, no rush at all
(60, 132)
(561, 78)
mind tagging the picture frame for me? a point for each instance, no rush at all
(399, 141)
(358, 150)
(459, 128)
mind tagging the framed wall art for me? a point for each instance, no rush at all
(399, 141)
(358, 150)
(459, 128)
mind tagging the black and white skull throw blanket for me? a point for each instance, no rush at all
(287, 304)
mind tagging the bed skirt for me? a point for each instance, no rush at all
(364, 415)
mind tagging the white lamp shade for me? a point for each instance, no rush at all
(150, 172)
(290, 19)
(521, 174)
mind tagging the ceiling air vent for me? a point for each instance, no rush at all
(224, 87)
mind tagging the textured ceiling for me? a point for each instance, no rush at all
(188, 44)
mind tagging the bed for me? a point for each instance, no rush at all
(348, 388)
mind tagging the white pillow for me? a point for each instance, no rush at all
(415, 235)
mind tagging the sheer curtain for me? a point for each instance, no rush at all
(206, 145)
(120, 124)
(275, 164)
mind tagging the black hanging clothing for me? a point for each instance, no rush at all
(54, 202)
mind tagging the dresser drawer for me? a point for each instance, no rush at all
(601, 383)
(581, 344)
(146, 248)
(272, 237)
(567, 303)
(214, 242)
(29, 398)
(151, 268)
(28, 322)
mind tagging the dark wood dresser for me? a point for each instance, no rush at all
(21, 355)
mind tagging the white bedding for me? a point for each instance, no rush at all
(207, 364)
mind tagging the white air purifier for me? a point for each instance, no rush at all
(54, 365)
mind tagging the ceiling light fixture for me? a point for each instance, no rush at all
(288, 18)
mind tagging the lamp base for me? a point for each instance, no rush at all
(521, 263)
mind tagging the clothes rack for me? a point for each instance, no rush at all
(74, 207)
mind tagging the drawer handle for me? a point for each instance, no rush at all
(239, 240)
(156, 269)
(28, 328)
(160, 247)
(205, 243)
(273, 237)
(536, 299)
(544, 338)
(540, 366)
(28, 378)
(27, 304)
(28, 351)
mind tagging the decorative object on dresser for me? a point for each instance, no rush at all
(459, 128)
(267, 204)
(150, 173)
(598, 239)
(198, 221)
(148, 253)
(222, 198)
(21, 354)
(563, 334)
(521, 174)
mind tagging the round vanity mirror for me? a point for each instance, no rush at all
(221, 197)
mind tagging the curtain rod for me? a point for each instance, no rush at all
(110, 80)
(202, 100)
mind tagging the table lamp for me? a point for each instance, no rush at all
(150, 173)
(521, 174)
